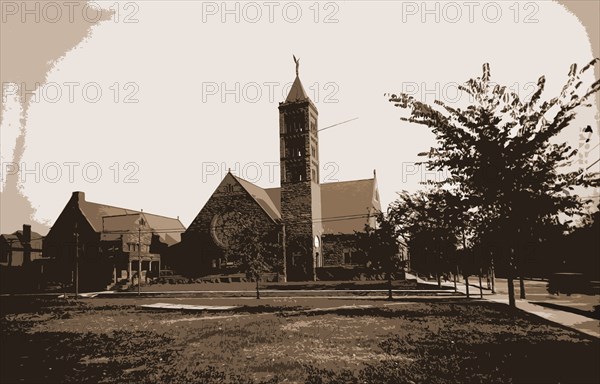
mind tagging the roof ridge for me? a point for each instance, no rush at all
(131, 210)
(247, 181)
(348, 181)
(111, 206)
(163, 216)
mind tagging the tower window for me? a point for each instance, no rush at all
(314, 174)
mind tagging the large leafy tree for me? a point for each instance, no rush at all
(253, 246)
(381, 246)
(503, 157)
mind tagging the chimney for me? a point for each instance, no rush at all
(78, 196)
(26, 243)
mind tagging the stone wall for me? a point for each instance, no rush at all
(199, 249)
(334, 247)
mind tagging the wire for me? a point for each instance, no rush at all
(331, 126)
(591, 165)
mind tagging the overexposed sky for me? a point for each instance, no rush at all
(181, 61)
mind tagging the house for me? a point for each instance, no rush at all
(103, 245)
(20, 248)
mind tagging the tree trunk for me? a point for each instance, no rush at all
(438, 277)
(454, 275)
(493, 277)
(467, 285)
(389, 276)
(257, 291)
(522, 287)
(511, 291)
(480, 285)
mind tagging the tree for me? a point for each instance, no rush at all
(501, 153)
(380, 245)
(253, 245)
(430, 225)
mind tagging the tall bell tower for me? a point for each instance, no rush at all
(300, 188)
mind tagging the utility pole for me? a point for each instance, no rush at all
(464, 241)
(140, 256)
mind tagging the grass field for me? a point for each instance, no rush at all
(288, 340)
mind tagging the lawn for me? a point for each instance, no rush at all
(288, 340)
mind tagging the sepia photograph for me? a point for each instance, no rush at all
(309, 191)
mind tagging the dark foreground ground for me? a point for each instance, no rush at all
(287, 340)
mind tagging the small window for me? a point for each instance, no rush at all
(347, 256)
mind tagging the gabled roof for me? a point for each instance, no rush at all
(16, 238)
(346, 205)
(261, 197)
(297, 92)
(167, 228)
(174, 227)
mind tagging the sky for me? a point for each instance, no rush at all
(158, 100)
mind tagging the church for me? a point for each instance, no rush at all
(315, 223)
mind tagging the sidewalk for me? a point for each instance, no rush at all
(574, 321)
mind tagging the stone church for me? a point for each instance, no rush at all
(314, 222)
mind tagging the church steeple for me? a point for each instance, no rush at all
(300, 188)
(297, 92)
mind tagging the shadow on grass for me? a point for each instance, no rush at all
(591, 314)
(116, 357)
(465, 357)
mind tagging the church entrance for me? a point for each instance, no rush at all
(298, 265)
